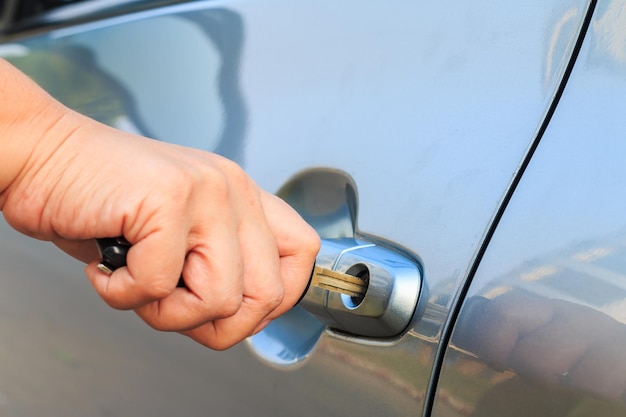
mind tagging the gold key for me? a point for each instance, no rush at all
(338, 282)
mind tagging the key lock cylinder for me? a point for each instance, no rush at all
(390, 288)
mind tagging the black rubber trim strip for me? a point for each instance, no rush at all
(460, 296)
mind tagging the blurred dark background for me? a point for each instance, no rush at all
(12, 11)
(23, 15)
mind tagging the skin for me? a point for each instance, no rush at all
(246, 256)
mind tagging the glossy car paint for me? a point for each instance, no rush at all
(429, 107)
(542, 331)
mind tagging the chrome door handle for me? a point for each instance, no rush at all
(393, 285)
(328, 200)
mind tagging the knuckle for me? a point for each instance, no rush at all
(219, 184)
(158, 324)
(236, 175)
(178, 178)
(229, 307)
(115, 302)
(183, 183)
(154, 290)
(216, 181)
(272, 299)
(314, 242)
(220, 344)
(230, 167)
(157, 293)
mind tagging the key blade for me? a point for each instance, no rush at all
(338, 282)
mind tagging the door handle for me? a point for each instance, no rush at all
(393, 281)
(328, 200)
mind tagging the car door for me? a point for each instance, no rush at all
(400, 125)
(541, 331)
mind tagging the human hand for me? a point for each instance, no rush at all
(245, 255)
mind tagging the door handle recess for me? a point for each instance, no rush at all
(328, 200)
(393, 285)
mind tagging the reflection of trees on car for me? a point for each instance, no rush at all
(74, 78)
(210, 115)
(226, 30)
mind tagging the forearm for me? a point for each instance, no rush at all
(30, 119)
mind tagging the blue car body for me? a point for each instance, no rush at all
(483, 140)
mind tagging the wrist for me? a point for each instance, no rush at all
(32, 125)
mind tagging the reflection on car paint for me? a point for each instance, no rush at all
(549, 335)
(543, 329)
(102, 74)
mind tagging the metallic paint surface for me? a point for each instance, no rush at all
(542, 331)
(429, 106)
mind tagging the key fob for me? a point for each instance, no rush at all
(113, 251)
